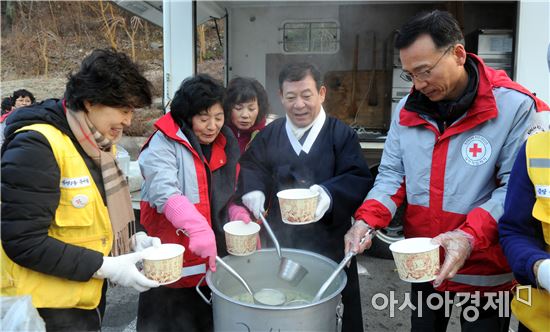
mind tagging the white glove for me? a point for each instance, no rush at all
(324, 201)
(543, 274)
(254, 201)
(122, 270)
(141, 241)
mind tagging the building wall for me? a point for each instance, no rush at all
(255, 48)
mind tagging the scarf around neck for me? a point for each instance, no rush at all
(119, 204)
(295, 133)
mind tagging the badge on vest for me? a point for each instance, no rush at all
(83, 181)
(80, 201)
(542, 191)
(476, 150)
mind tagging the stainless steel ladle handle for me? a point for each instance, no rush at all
(330, 279)
(224, 264)
(344, 262)
(272, 235)
(235, 274)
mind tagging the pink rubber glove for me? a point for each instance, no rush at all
(237, 212)
(258, 243)
(183, 214)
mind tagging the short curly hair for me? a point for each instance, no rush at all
(22, 93)
(244, 89)
(196, 94)
(109, 78)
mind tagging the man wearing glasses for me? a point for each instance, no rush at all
(449, 152)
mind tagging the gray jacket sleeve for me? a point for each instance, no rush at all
(159, 167)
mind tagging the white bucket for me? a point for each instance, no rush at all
(123, 160)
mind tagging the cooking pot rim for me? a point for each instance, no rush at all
(261, 306)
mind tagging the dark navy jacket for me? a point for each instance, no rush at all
(520, 233)
(334, 162)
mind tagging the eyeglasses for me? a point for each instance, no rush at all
(424, 75)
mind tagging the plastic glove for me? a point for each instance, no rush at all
(543, 274)
(183, 214)
(458, 246)
(122, 271)
(324, 201)
(237, 212)
(354, 236)
(254, 201)
(141, 241)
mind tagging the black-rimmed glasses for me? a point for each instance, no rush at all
(424, 75)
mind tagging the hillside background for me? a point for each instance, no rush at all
(43, 41)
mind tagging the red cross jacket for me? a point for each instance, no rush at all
(458, 179)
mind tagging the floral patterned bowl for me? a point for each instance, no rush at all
(163, 264)
(417, 259)
(298, 205)
(241, 238)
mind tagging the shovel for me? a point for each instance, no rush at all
(373, 90)
(289, 270)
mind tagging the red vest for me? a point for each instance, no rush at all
(157, 225)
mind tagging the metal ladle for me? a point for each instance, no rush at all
(280, 297)
(276, 297)
(343, 263)
(289, 270)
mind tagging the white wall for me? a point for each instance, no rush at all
(253, 33)
(532, 46)
(178, 40)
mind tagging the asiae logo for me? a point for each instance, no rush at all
(523, 294)
(476, 150)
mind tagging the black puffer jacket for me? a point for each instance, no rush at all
(30, 196)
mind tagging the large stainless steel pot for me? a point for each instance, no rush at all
(260, 271)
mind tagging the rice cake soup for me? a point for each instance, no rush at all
(291, 296)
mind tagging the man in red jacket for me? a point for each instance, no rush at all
(449, 151)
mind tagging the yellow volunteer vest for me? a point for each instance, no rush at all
(538, 167)
(87, 225)
(536, 315)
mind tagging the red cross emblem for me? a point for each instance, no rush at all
(475, 150)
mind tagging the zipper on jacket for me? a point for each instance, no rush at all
(99, 317)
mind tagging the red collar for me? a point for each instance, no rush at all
(3, 117)
(170, 128)
(484, 106)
